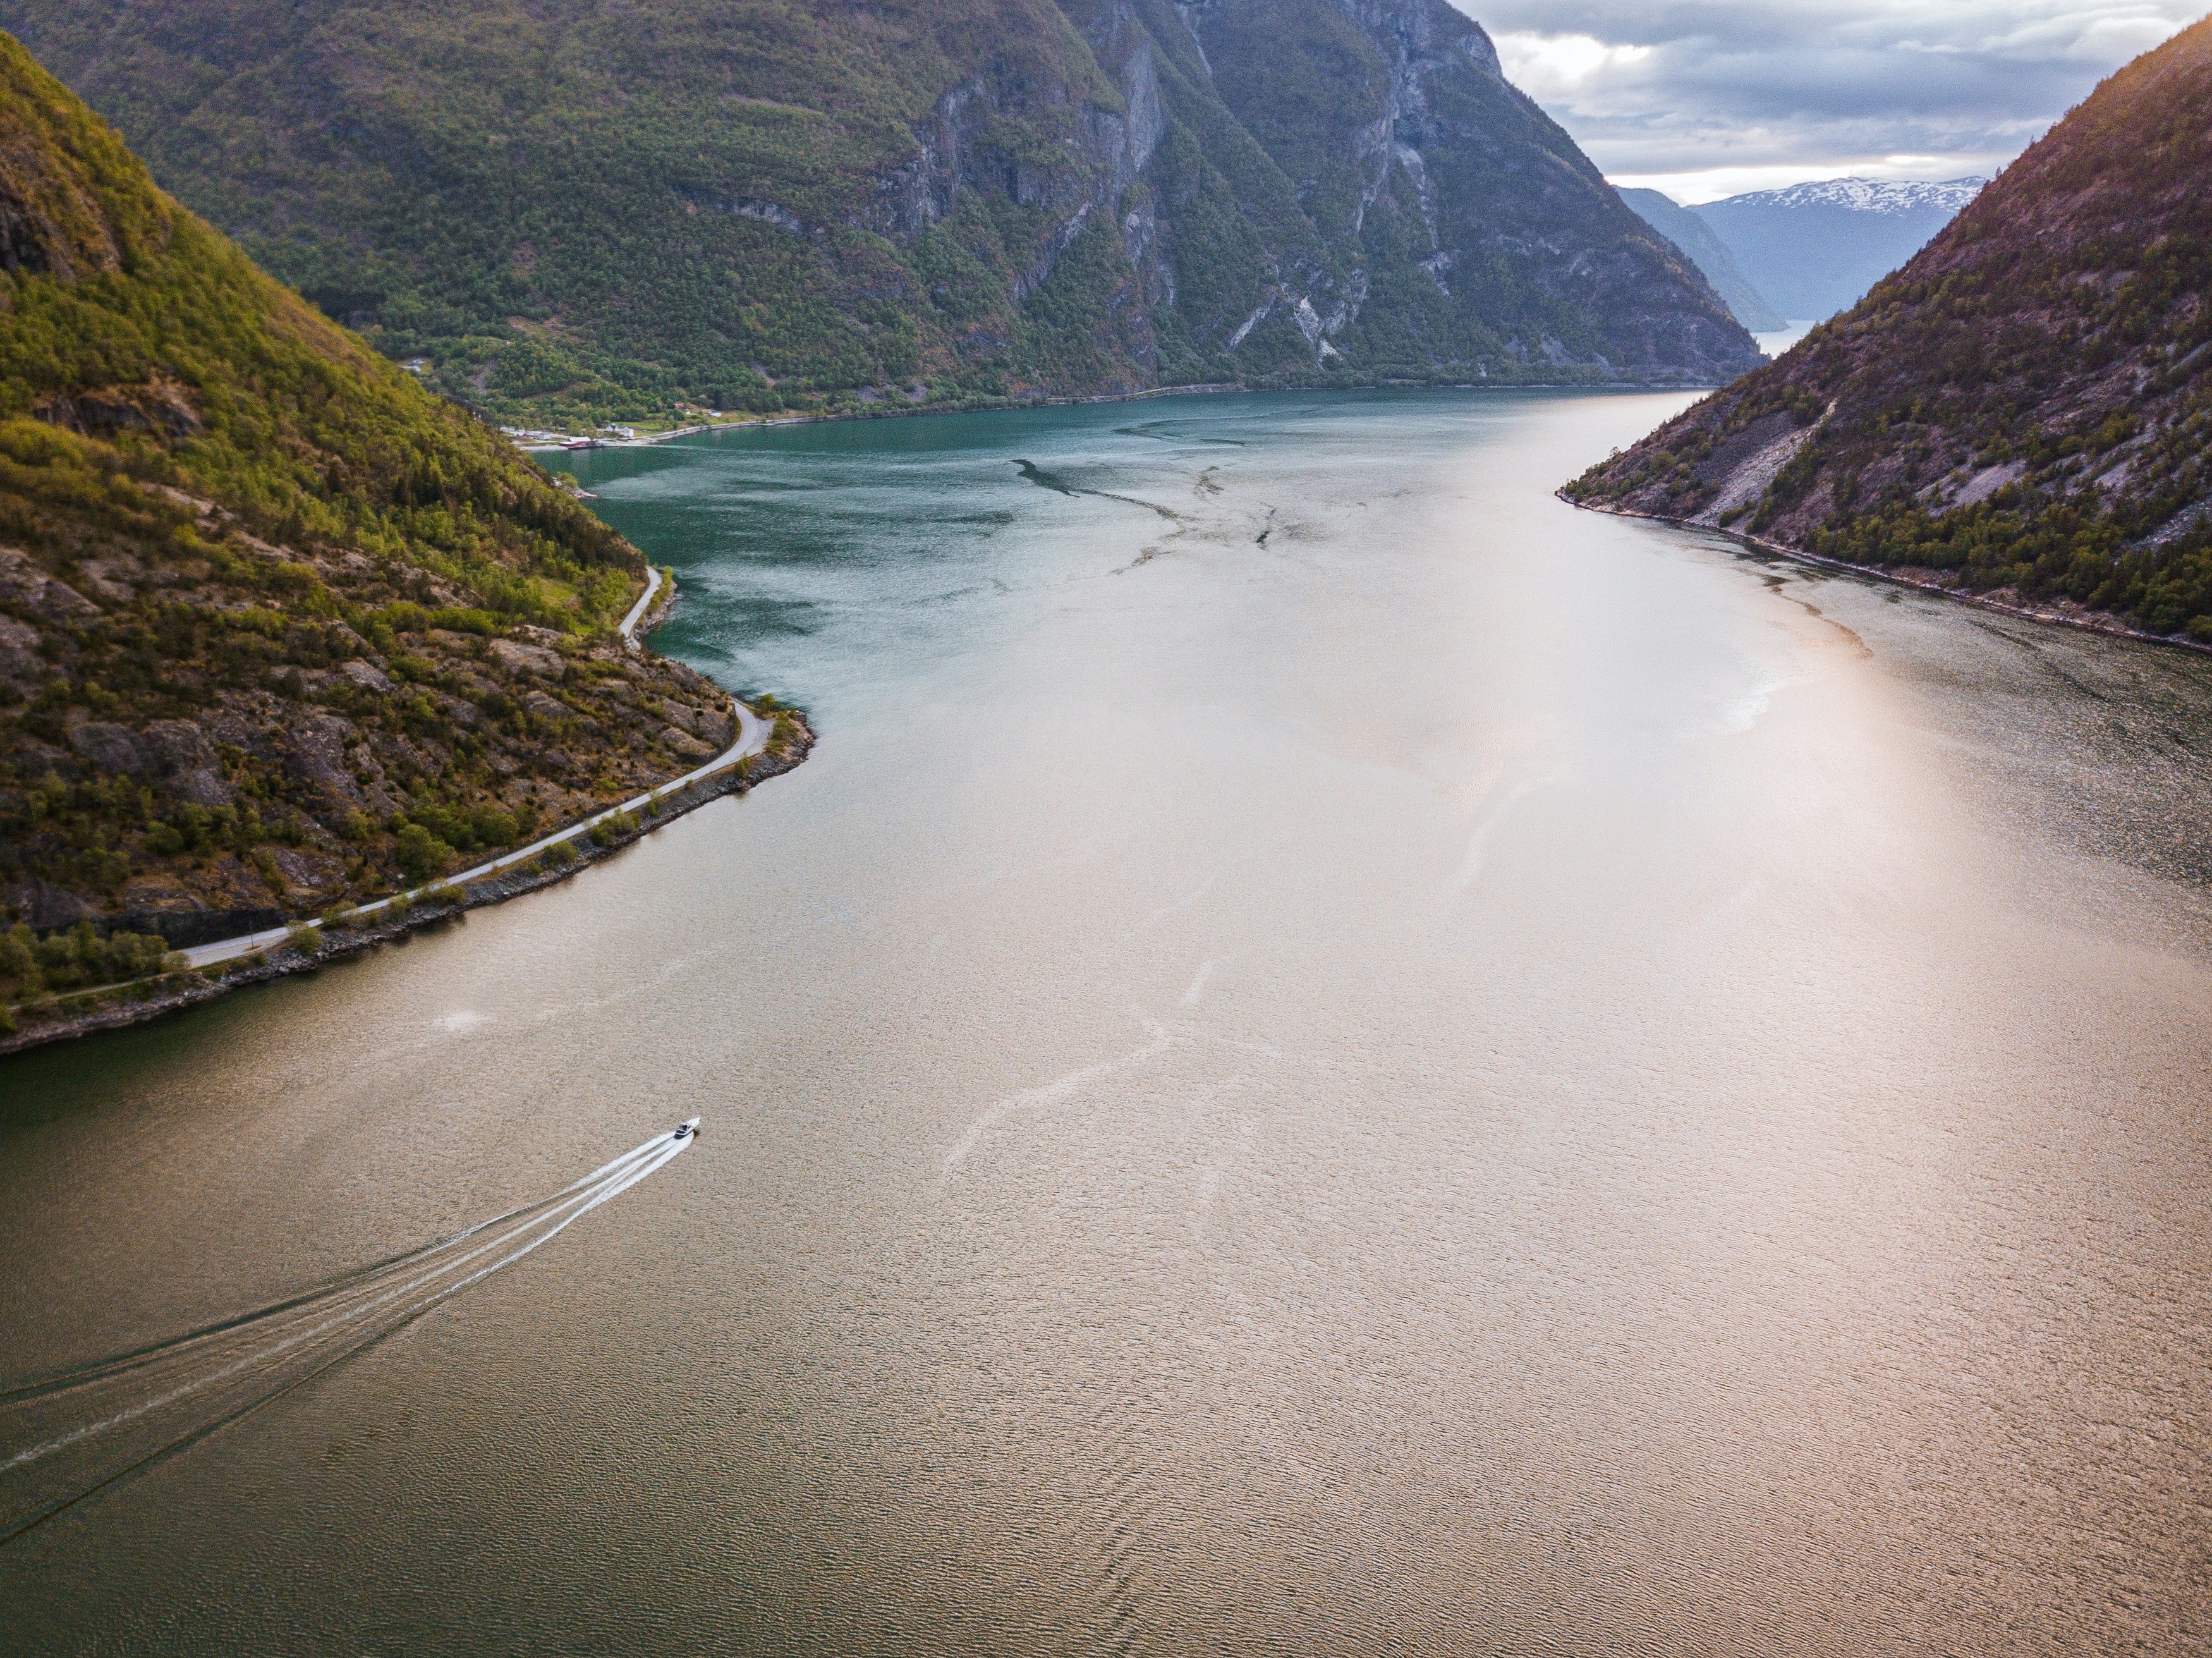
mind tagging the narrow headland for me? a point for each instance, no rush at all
(770, 739)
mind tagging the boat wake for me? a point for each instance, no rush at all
(65, 1438)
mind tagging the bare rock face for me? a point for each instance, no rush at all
(114, 578)
(174, 753)
(676, 714)
(182, 758)
(185, 919)
(314, 748)
(112, 749)
(48, 225)
(19, 664)
(44, 906)
(715, 729)
(366, 675)
(23, 244)
(155, 408)
(23, 582)
(236, 723)
(518, 657)
(687, 745)
(310, 872)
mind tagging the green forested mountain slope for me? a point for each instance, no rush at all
(278, 628)
(581, 206)
(2027, 406)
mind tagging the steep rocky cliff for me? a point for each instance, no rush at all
(565, 207)
(2026, 408)
(279, 630)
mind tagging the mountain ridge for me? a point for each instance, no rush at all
(1703, 245)
(571, 210)
(2024, 410)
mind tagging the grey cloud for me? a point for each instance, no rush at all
(1671, 88)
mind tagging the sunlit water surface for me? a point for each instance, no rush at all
(1330, 1056)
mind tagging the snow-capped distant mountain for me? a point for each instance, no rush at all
(1866, 195)
(1815, 249)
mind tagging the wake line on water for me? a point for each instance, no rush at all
(83, 1429)
(1052, 1093)
(138, 1358)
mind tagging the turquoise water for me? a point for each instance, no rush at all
(1328, 1055)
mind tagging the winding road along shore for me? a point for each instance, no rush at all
(751, 739)
(250, 956)
(752, 736)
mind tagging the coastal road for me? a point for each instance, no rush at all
(752, 735)
(630, 623)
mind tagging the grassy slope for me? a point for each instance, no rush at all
(277, 627)
(553, 202)
(2026, 406)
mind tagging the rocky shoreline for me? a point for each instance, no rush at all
(112, 1007)
(2088, 621)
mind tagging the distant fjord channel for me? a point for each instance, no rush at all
(1329, 1054)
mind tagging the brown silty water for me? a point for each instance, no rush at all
(1328, 1056)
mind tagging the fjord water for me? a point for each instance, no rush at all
(1328, 1055)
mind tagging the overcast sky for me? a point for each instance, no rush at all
(1706, 98)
